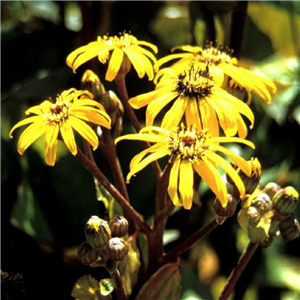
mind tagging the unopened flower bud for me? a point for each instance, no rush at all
(271, 189)
(113, 106)
(118, 226)
(289, 228)
(285, 201)
(227, 211)
(97, 232)
(116, 249)
(90, 81)
(86, 254)
(262, 202)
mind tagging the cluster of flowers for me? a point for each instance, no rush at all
(194, 89)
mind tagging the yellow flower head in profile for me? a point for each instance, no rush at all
(122, 51)
(73, 108)
(190, 150)
(220, 63)
(195, 95)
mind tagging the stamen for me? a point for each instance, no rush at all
(195, 84)
(187, 143)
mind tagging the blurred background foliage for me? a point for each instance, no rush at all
(44, 209)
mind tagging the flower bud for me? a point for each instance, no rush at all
(271, 189)
(116, 249)
(113, 106)
(262, 202)
(289, 228)
(86, 254)
(118, 226)
(90, 81)
(97, 232)
(227, 211)
(285, 201)
(251, 182)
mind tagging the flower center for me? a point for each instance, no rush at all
(194, 84)
(59, 112)
(213, 56)
(124, 40)
(187, 143)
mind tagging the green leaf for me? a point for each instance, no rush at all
(280, 25)
(164, 284)
(88, 288)
(130, 266)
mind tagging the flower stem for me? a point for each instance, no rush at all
(111, 267)
(110, 152)
(127, 208)
(163, 209)
(174, 254)
(238, 270)
(121, 85)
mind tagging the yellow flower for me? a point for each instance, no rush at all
(122, 51)
(190, 150)
(198, 97)
(70, 112)
(219, 64)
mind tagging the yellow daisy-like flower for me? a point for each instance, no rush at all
(219, 64)
(73, 108)
(197, 96)
(190, 150)
(122, 51)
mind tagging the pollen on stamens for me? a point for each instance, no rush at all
(214, 56)
(195, 84)
(187, 143)
(124, 40)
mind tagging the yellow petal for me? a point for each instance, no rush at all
(173, 183)
(186, 183)
(30, 134)
(51, 143)
(25, 122)
(225, 165)
(85, 131)
(154, 108)
(114, 64)
(173, 117)
(68, 136)
(208, 172)
(150, 158)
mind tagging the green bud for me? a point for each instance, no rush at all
(271, 189)
(97, 232)
(227, 211)
(118, 226)
(262, 202)
(289, 228)
(116, 249)
(90, 81)
(285, 201)
(86, 254)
